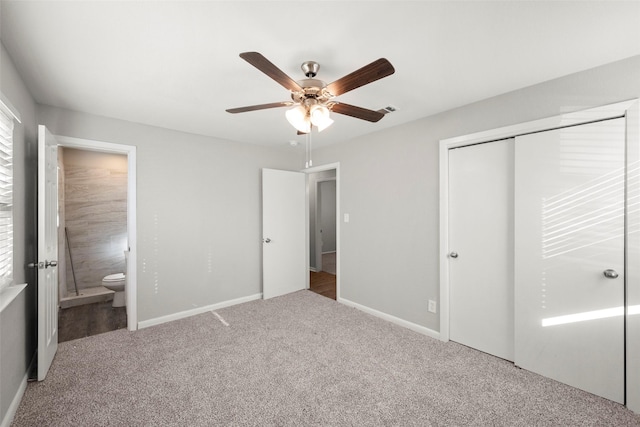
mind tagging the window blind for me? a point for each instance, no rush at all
(6, 199)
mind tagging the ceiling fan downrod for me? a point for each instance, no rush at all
(310, 68)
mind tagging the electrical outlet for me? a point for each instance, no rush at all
(432, 306)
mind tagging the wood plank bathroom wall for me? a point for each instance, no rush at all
(93, 207)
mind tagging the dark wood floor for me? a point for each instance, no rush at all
(323, 283)
(90, 319)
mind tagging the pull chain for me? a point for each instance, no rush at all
(306, 152)
(309, 148)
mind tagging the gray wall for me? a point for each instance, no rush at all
(17, 330)
(389, 249)
(198, 210)
(95, 212)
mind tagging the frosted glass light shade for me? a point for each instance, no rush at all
(320, 117)
(298, 118)
(323, 123)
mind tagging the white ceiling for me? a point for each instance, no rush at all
(176, 64)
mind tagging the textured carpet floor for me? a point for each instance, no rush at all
(296, 360)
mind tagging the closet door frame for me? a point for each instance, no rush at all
(631, 111)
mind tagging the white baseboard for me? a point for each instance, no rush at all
(15, 402)
(401, 322)
(198, 310)
(313, 269)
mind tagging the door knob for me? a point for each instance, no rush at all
(453, 254)
(267, 240)
(41, 265)
(610, 274)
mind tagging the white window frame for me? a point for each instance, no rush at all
(8, 115)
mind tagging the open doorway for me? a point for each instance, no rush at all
(92, 242)
(98, 232)
(323, 232)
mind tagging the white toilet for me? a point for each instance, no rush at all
(116, 283)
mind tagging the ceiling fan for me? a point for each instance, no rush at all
(313, 99)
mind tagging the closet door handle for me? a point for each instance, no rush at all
(453, 254)
(610, 274)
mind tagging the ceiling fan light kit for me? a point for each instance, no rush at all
(309, 113)
(313, 99)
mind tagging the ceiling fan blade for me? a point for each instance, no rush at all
(357, 112)
(264, 65)
(365, 75)
(259, 107)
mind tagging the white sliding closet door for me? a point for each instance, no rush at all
(481, 244)
(569, 256)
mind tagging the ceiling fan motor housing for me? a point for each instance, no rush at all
(311, 89)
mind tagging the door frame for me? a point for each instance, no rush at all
(130, 152)
(628, 109)
(322, 168)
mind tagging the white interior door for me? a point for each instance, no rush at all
(481, 247)
(569, 236)
(47, 250)
(284, 254)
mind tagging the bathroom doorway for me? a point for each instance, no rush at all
(127, 241)
(92, 241)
